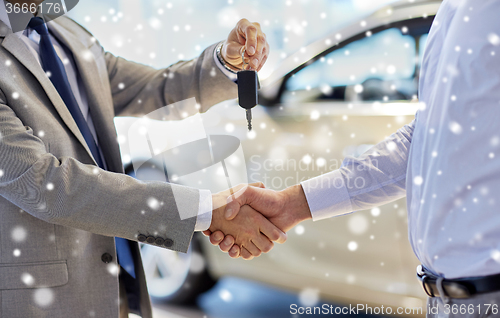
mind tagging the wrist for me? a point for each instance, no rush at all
(218, 205)
(220, 56)
(296, 203)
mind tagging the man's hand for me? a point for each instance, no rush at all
(248, 36)
(285, 209)
(252, 232)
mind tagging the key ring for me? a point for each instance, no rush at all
(243, 59)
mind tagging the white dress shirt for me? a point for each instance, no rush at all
(32, 40)
(447, 161)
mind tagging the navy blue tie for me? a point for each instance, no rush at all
(54, 68)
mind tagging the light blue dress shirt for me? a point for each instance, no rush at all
(32, 40)
(447, 161)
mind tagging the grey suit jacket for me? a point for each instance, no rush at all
(53, 238)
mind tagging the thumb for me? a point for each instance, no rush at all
(236, 200)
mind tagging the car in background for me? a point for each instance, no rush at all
(336, 97)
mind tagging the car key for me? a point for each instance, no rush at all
(248, 85)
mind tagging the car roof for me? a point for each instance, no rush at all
(388, 14)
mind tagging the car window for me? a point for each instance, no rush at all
(377, 67)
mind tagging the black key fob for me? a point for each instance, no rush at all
(248, 86)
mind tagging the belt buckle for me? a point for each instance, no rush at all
(426, 286)
(451, 289)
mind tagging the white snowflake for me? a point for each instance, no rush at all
(391, 146)
(351, 279)
(197, 263)
(27, 279)
(309, 297)
(352, 246)
(19, 234)
(153, 203)
(43, 297)
(299, 229)
(113, 269)
(315, 115)
(455, 128)
(375, 211)
(495, 254)
(418, 180)
(358, 88)
(307, 159)
(357, 224)
(251, 134)
(493, 39)
(229, 127)
(226, 295)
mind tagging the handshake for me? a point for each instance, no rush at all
(247, 219)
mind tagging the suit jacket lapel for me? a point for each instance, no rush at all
(100, 103)
(21, 52)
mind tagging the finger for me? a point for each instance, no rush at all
(263, 243)
(263, 59)
(258, 184)
(235, 201)
(216, 237)
(262, 63)
(245, 254)
(226, 244)
(234, 252)
(272, 232)
(207, 233)
(253, 249)
(259, 54)
(249, 32)
(233, 53)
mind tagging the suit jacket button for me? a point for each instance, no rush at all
(159, 241)
(150, 239)
(106, 258)
(141, 238)
(168, 243)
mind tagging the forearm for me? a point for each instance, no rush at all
(139, 89)
(376, 177)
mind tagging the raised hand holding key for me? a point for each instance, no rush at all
(247, 89)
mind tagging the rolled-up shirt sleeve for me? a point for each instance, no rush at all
(376, 177)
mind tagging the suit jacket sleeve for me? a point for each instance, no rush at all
(67, 192)
(138, 89)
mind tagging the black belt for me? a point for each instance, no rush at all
(457, 288)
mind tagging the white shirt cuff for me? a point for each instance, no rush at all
(231, 75)
(204, 218)
(327, 195)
